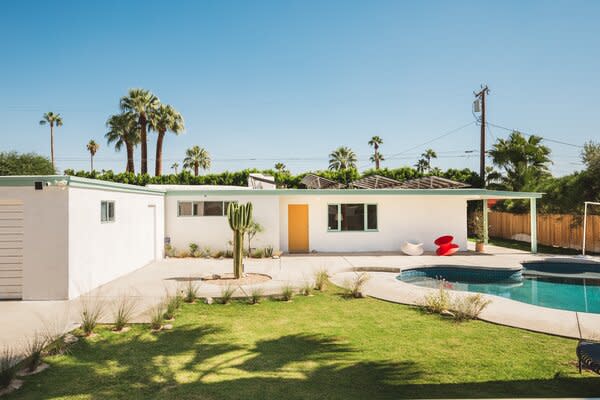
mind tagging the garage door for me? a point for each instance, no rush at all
(11, 249)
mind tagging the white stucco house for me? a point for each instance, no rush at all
(61, 236)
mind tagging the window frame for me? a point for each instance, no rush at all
(366, 217)
(108, 204)
(192, 202)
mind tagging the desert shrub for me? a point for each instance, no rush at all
(217, 254)
(256, 295)
(307, 288)
(123, 311)
(172, 304)
(182, 254)
(34, 349)
(354, 287)
(269, 251)
(156, 316)
(170, 251)
(92, 310)
(194, 250)
(190, 292)
(287, 293)
(321, 279)
(228, 253)
(439, 301)
(55, 339)
(8, 366)
(258, 253)
(468, 307)
(226, 294)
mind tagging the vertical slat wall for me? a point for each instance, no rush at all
(553, 229)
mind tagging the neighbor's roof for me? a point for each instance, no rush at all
(375, 182)
(432, 182)
(312, 181)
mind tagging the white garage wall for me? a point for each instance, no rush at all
(45, 240)
(400, 218)
(102, 251)
(214, 232)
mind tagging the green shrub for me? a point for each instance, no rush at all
(191, 292)
(156, 316)
(256, 295)
(468, 307)
(307, 288)
(269, 251)
(172, 304)
(194, 250)
(8, 366)
(226, 294)
(287, 293)
(123, 311)
(439, 301)
(321, 279)
(92, 310)
(258, 253)
(170, 251)
(34, 348)
(354, 287)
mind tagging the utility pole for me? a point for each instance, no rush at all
(480, 97)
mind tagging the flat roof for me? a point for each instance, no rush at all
(76, 182)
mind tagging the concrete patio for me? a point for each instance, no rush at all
(21, 319)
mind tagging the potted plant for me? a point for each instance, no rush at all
(479, 231)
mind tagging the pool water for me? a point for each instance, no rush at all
(565, 293)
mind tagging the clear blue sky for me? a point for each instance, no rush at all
(261, 81)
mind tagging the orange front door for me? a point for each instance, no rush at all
(298, 228)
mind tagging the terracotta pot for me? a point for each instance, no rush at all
(479, 247)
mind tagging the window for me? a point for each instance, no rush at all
(107, 211)
(202, 208)
(352, 217)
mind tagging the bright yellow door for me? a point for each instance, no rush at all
(298, 228)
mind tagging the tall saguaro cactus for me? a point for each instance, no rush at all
(239, 217)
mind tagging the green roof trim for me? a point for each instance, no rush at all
(474, 193)
(76, 182)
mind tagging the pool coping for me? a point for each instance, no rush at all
(383, 285)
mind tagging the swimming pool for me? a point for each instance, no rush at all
(566, 287)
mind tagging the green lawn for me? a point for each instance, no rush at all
(525, 246)
(321, 347)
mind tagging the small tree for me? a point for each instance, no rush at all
(253, 229)
(239, 217)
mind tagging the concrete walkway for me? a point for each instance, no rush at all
(21, 319)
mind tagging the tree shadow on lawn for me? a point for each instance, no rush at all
(189, 362)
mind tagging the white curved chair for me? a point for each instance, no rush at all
(412, 249)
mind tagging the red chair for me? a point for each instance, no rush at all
(442, 240)
(447, 249)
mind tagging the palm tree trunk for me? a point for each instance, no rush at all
(144, 144)
(52, 145)
(130, 164)
(196, 169)
(376, 156)
(91, 162)
(159, 145)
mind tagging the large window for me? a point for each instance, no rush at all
(107, 211)
(202, 208)
(352, 217)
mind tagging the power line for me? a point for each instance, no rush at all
(529, 134)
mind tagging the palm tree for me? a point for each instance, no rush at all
(141, 103)
(376, 141)
(123, 130)
(53, 120)
(342, 158)
(524, 160)
(92, 147)
(162, 119)
(174, 167)
(421, 165)
(280, 167)
(196, 157)
(424, 163)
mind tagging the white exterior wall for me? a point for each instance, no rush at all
(102, 251)
(45, 240)
(214, 232)
(400, 218)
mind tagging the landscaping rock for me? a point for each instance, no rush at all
(70, 338)
(14, 385)
(40, 368)
(168, 327)
(447, 314)
(209, 300)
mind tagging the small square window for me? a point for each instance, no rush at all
(107, 211)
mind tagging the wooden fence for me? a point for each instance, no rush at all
(552, 229)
